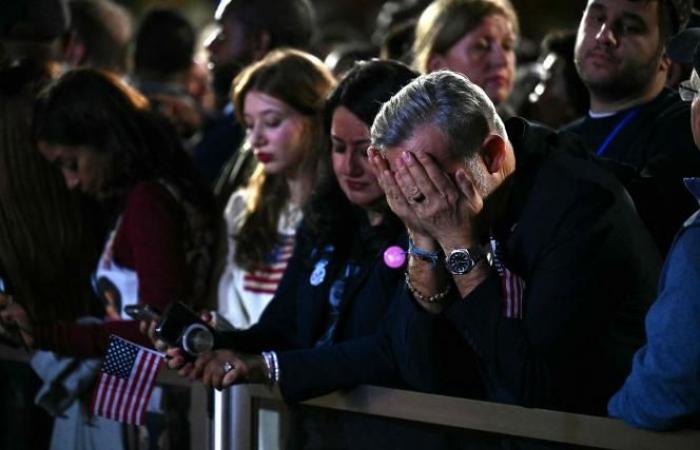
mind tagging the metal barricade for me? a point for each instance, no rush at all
(236, 416)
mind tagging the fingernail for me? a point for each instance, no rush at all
(406, 156)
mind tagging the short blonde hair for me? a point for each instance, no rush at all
(444, 22)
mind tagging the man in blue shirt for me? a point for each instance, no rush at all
(663, 389)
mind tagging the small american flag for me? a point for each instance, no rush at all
(266, 278)
(512, 286)
(125, 382)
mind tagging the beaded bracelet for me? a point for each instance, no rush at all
(428, 299)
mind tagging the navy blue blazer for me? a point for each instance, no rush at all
(297, 317)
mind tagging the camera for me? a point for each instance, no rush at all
(181, 327)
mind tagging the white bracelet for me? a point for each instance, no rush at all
(273, 368)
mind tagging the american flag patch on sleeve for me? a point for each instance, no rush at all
(512, 286)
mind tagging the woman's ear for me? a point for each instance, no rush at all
(435, 62)
(494, 153)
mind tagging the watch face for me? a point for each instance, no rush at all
(459, 262)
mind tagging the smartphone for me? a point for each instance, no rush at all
(142, 312)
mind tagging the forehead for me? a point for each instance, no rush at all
(256, 101)
(494, 24)
(53, 150)
(645, 9)
(345, 122)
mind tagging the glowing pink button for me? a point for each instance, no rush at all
(394, 257)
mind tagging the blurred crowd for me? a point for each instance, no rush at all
(436, 207)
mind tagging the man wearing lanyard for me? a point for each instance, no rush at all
(621, 56)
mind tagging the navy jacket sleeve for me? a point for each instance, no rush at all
(312, 372)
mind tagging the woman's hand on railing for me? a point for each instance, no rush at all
(223, 368)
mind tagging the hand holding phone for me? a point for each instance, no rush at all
(142, 312)
(181, 327)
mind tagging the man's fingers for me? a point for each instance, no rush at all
(377, 163)
(416, 183)
(438, 177)
(468, 189)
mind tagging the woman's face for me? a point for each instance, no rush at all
(486, 55)
(80, 165)
(350, 140)
(277, 133)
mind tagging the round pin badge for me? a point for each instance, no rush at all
(319, 273)
(394, 257)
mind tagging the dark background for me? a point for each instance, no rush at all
(537, 17)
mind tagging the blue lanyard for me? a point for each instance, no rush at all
(613, 134)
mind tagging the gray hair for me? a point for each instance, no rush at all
(446, 100)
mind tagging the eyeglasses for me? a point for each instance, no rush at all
(687, 91)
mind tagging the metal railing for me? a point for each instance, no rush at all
(496, 418)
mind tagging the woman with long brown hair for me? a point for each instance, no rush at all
(101, 135)
(280, 102)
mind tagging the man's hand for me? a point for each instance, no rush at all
(445, 209)
(399, 203)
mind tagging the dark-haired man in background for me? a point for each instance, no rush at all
(633, 119)
(247, 31)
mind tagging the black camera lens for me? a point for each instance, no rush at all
(197, 339)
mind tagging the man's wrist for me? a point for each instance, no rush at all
(424, 241)
(433, 257)
(462, 259)
(467, 283)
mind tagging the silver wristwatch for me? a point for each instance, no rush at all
(461, 261)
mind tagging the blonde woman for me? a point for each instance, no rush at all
(476, 38)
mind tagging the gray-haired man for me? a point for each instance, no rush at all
(520, 244)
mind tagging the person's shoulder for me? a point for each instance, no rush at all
(574, 126)
(147, 196)
(668, 110)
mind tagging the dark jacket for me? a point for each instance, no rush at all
(298, 315)
(590, 271)
(656, 143)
